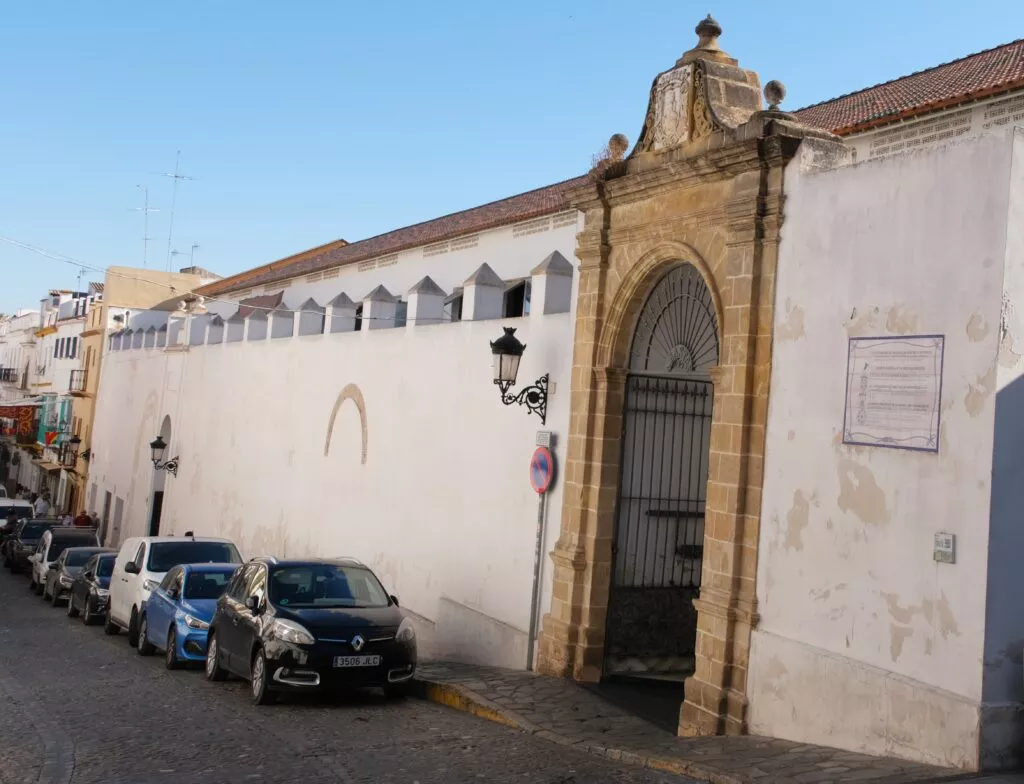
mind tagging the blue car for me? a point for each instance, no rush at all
(176, 617)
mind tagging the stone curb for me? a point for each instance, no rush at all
(460, 698)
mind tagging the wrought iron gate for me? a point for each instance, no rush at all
(659, 528)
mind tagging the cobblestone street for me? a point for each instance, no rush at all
(78, 706)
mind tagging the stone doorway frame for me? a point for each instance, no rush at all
(723, 215)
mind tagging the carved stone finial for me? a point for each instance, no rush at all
(708, 31)
(774, 93)
(617, 146)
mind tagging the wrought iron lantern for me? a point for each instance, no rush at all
(69, 452)
(507, 352)
(158, 446)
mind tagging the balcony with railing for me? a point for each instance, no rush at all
(78, 382)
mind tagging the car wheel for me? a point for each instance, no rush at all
(261, 693)
(109, 627)
(72, 612)
(133, 628)
(171, 660)
(214, 672)
(143, 645)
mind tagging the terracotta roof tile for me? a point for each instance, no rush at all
(975, 76)
(523, 206)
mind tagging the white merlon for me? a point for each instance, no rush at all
(426, 303)
(483, 295)
(551, 286)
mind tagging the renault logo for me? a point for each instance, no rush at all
(358, 643)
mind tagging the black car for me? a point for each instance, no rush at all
(65, 569)
(24, 541)
(90, 590)
(302, 625)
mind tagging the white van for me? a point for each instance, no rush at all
(142, 563)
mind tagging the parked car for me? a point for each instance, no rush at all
(62, 572)
(51, 544)
(24, 541)
(301, 625)
(177, 615)
(12, 512)
(142, 563)
(90, 589)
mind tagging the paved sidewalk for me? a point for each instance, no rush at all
(567, 714)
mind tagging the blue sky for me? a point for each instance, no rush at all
(304, 122)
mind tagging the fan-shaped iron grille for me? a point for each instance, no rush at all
(676, 333)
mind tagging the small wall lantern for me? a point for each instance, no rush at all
(508, 351)
(158, 446)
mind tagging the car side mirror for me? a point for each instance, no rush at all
(173, 593)
(253, 604)
(394, 600)
(131, 568)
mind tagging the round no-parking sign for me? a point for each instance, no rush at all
(542, 469)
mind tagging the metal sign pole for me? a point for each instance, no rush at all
(535, 597)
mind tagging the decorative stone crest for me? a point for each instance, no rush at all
(705, 92)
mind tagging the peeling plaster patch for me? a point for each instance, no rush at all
(773, 672)
(793, 327)
(1008, 356)
(859, 493)
(980, 391)
(897, 635)
(862, 323)
(977, 328)
(901, 321)
(796, 521)
(947, 623)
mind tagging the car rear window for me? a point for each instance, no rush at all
(207, 585)
(35, 530)
(106, 566)
(78, 557)
(166, 555)
(61, 543)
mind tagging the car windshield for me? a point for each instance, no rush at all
(326, 585)
(78, 557)
(34, 530)
(62, 543)
(166, 555)
(106, 567)
(207, 585)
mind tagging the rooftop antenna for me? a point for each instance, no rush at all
(192, 254)
(177, 177)
(145, 209)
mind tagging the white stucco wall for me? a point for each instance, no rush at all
(442, 508)
(864, 641)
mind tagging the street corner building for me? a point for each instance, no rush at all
(777, 360)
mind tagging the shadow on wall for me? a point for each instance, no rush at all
(353, 393)
(1002, 712)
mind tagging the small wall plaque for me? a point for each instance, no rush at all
(945, 548)
(545, 438)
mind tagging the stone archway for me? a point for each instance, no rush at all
(703, 186)
(658, 537)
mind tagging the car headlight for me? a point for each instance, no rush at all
(406, 633)
(102, 593)
(150, 585)
(289, 631)
(195, 623)
(65, 581)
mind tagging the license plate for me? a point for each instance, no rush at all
(356, 661)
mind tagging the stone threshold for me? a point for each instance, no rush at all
(562, 712)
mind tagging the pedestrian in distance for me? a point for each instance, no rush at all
(82, 520)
